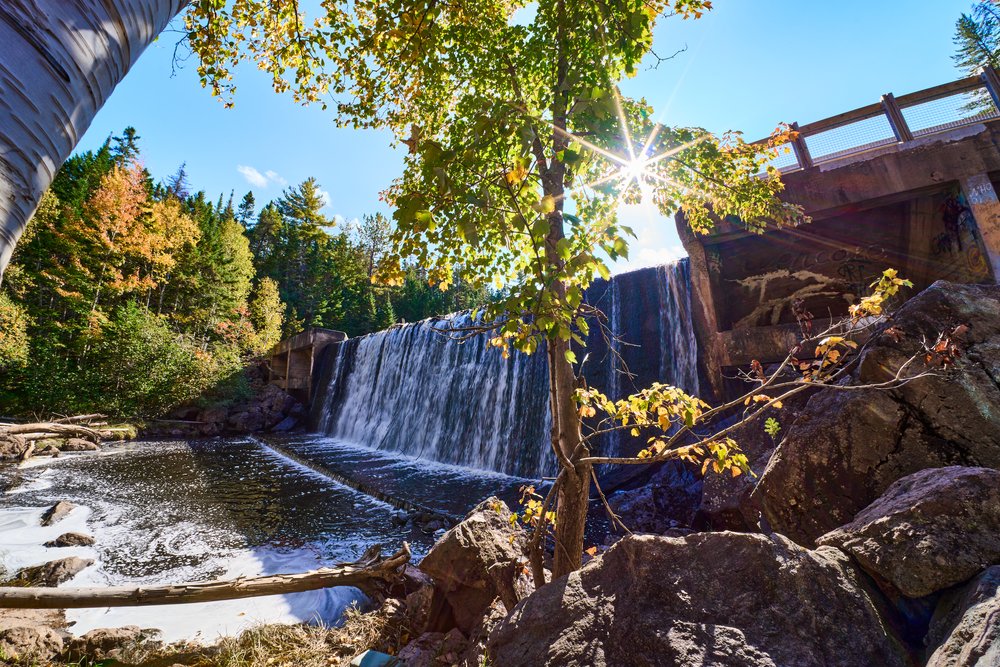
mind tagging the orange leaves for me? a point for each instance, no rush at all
(947, 348)
(763, 398)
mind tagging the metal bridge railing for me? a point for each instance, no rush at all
(894, 120)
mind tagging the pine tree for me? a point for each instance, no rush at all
(244, 214)
(126, 147)
(178, 184)
(977, 45)
(302, 204)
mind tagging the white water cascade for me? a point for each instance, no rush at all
(411, 390)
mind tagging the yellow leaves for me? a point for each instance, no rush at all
(516, 176)
(546, 205)
(592, 551)
(883, 289)
(725, 455)
(763, 398)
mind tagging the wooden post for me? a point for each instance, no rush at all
(896, 120)
(801, 149)
(992, 83)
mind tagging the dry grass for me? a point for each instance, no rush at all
(273, 645)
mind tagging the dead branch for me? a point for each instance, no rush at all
(370, 573)
(40, 430)
(80, 419)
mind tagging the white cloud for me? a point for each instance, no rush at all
(324, 195)
(275, 178)
(259, 180)
(656, 239)
(253, 176)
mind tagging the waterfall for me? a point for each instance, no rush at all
(411, 390)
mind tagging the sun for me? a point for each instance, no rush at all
(635, 169)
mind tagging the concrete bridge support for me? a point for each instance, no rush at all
(292, 361)
(985, 205)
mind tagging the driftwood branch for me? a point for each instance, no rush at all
(80, 419)
(42, 430)
(369, 573)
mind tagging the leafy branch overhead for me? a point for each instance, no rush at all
(496, 111)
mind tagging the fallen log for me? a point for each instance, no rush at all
(41, 430)
(79, 419)
(369, 573)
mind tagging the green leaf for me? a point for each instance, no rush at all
(571, 356)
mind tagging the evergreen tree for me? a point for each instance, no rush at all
(244, 214)
(302, 204)
(178, 184)
(977, 45)
(126, 147)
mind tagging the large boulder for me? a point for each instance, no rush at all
(11, 447)
(965, 630)
(51, 574)
(467, 558)
(847, 447)
(726, 501)
(29, 645)
(704, 599)
(929, 531)
(78, 445)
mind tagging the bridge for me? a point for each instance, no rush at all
(908, 182)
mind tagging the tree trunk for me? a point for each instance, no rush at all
(572, 501)
(61, 61)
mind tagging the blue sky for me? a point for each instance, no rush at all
(748, 65)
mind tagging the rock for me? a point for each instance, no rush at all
(48, 451)
(929, 531)
(108, 643)
(79, 445)
(57, 512)
(433, 649)
(51, 574)
(705, 599)
(847, 447)
(28, 644)
(726, 501)
(460, 560)
(11, 447)
(669, 499)
(476, 651)
(71, 540)
(965, 630)
(286, 424)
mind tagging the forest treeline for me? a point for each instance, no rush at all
(129, 297)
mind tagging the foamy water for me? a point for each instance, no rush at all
(175, 512)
